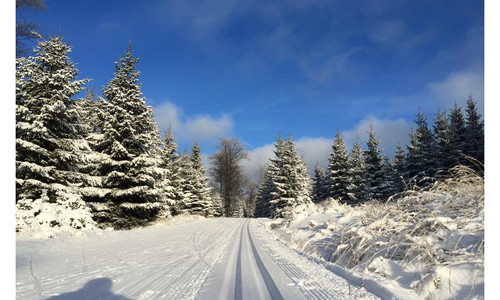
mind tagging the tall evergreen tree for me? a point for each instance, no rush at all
(291, 181)
(443, 146)
(48, 131)
(357, 190)
(421, 152)
(262, 205)
(187, 183)
(457, 134)
(474, 132)
(49, 139)
(131, 139)
(337, 174)
(318, 187)
(397, 169)
(376, 179)
(170, 159)
(203, 204)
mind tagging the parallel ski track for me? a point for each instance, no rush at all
(225, 259)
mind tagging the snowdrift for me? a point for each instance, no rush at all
(429, 242)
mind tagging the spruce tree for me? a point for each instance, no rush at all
(291, 181)
(203, 204)
(187, 182)
(318, 187)
(397, 169)
(131, 139)
(337, 174)
(443, 146)
(421, 157)
(376, 179)
(474, 132)
(170, 160)
(357, 190)
(457, 135)
(262, 205)
(49, 138)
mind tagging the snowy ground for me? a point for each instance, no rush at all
(219, 258)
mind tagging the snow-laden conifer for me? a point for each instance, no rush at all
(131, 139)
(204, 204)
(262, 205)
(457, 134)
(376, 179)
(443, 144)
(474, 132)
(396, 171)
(170, 159)
(319, 191)
(49, 137)
(337, 174)
(421, 152)
(291, 181)
(357, 189)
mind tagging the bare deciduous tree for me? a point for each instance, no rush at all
(26, 30)
(228, 175)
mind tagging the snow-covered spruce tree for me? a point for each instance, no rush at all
(217, 203)
(49, 140)
(291, 181)
(204, 203)
(422, 156)
(262, 205)
(187, 182)
(337, 173)
(474, 132)
(457, 134)
(90, 112)
(376, 177)
(170, 159)
(131, 139)
(318, 186)
(357, 190)
(443, 146)
(396, 171)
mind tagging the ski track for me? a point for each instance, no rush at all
(225, 258)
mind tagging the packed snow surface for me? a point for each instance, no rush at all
(218, 258)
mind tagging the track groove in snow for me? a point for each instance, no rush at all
(222, 258)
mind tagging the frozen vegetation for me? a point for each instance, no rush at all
(429, 244)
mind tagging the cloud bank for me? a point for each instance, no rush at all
(190, 129)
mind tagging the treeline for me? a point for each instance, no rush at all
(101, 158)
(456, 138)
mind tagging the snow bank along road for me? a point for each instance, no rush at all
(221, 258)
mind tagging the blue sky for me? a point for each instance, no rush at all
(256, 69)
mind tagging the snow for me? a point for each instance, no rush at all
(188, 257)
(429, 244)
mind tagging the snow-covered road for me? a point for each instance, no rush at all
(224, 258)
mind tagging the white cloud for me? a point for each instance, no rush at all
(192, 128)
(168, 114)
(204, 127)
(455, 88)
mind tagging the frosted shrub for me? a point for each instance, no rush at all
(65, 212)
